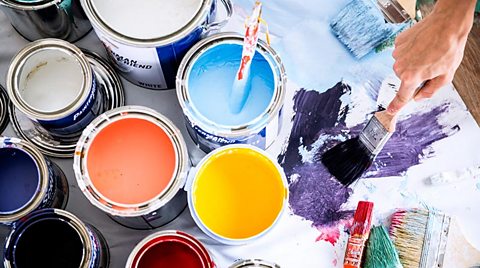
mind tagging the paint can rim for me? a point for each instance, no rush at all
(29, 6)
(15, 69)
(43, 177)
(252, 127)
(193, 177)
(97, 21)
(193, 243)
(45, 214)
(130, 210)
(254, 263)
(4, 101)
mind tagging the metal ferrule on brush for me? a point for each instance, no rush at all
(393, 11)
(374, 136)
(435, 242)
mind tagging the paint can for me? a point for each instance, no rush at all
(63, 19)
(170, 249)
(55, 238)
(213, 61)
(112, 95)
(147, 45)
(237, 194)
(62, 105)
(131, 162)
(3, 109)
(28, 181)
(254, 263)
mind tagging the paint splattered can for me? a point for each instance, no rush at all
(254, 263)
(148, 44)
(131, 162)
(28, 181)
(63, 19)
(3, 109)
(55, 238)
(170, 249)
(237, 194)
(259, 122)
(63, 105)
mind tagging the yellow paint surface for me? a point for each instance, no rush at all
(238, 193)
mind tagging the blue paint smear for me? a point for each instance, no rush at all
(211, 79)
(19, 179)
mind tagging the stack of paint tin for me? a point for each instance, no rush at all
(132, 162)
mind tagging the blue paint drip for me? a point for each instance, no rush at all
(361, 27)
(19, 179)
(211, 79)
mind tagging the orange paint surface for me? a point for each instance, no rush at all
(238, 193)
(131, 161)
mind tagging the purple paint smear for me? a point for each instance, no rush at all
(317, 196)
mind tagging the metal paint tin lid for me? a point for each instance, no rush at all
(254, 263)
(3, 109)
(111, 90)
(147, 23)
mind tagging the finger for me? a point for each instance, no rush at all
(399, 51)
(404, 95)
(431, 87)
(401, 38)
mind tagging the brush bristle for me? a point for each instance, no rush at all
(347, 161)
(408, 233)
(362, 219)
(381, 252)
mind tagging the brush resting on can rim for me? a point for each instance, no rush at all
(360, 231)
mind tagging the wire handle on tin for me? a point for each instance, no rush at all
(216, 25)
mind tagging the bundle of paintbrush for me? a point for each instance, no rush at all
(365, 24)
(359, 233)
(426, 239)
(380, 252)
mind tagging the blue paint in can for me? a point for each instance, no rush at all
(19, 179)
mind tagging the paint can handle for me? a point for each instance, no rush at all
(216, 25)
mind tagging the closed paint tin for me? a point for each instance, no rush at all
(262, 130)
(237, 194)
(170, 249)
(55, 238)
(29, 181)
(3, 109)
(131, 163)
(62, 104)
(110, 91)
(255, 263)
(148, 44)
(63, 19)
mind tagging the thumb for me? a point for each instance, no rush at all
(404, 95)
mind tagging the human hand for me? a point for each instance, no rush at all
(431, 51)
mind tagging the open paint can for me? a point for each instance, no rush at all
(237, 193)
(3, 109)
(36, 19)
(52, 82)
(206, 76)
(28, 181)
(131, 162)
(170, 249)
(57, 239)
(254, 264)
(148, 44)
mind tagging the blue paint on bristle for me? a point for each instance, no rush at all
(361, 26)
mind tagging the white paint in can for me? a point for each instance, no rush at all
(51, 80)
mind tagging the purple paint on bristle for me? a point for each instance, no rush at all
(314, 193)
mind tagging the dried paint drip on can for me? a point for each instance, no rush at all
(131, 162)
(255, 263)
(237, 193)
(28, 181)
(206, 76)
(148, 45)
(36, 19)
(170, 249)
(52, 82)
(3, 109)
(57, 239)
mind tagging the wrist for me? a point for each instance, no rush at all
(458, 14)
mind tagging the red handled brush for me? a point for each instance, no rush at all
(358, 235)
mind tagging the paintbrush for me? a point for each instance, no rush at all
(380, 251)
(426, 239)
(242, 83)
(365, 24)
(358, 235)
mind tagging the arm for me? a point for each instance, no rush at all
(431, 50)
